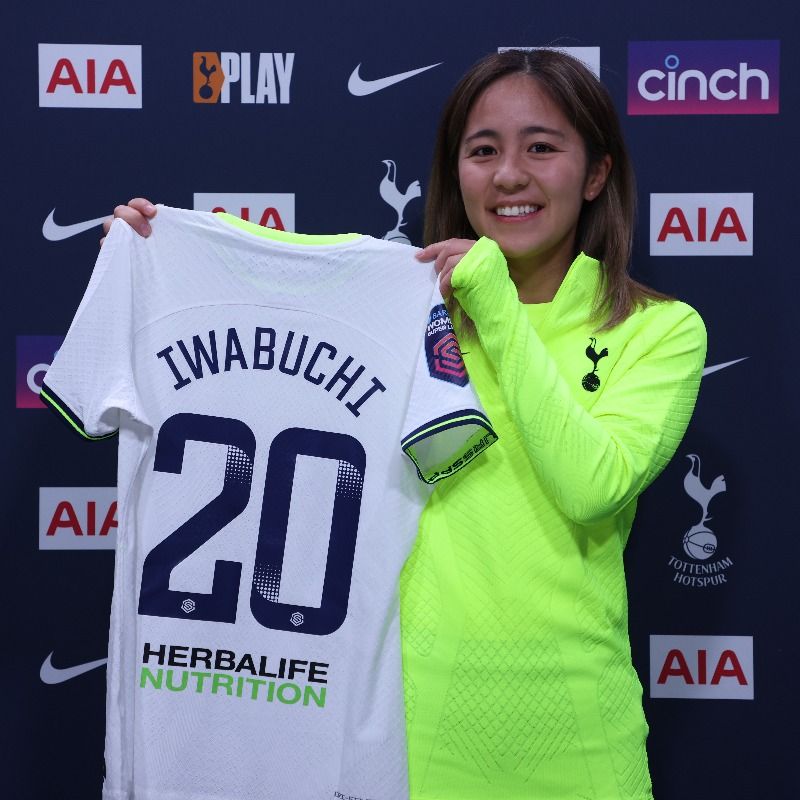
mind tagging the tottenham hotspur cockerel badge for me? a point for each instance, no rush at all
(591, 380)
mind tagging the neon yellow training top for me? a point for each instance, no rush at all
(519, 682)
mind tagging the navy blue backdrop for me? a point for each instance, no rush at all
(103, 104)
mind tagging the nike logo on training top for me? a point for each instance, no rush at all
(718, 367)
(54, 232)
(359, 87)
(52, 675)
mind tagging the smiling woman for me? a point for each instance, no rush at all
(519, 681)
(524, 175)
(552, 91)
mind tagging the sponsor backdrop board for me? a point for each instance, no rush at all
(321, 119)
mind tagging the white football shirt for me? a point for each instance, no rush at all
(262, 385)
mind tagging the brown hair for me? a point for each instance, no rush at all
(605, 226)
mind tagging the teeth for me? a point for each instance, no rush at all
(515, 211)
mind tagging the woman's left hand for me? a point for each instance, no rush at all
(446, 255)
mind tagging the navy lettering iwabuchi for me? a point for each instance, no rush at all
(263, 385)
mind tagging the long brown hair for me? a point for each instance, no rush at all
(605, 226)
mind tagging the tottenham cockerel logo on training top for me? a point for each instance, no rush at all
(591, 380)
(699, 542)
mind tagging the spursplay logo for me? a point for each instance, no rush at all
(441, 349)
(699, 541)
(591, 380)
(260, 78)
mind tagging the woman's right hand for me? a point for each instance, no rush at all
(445, 256)
(137, 214)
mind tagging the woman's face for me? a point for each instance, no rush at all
(524, 175)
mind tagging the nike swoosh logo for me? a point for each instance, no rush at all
(359, 87)
(718, 367)
(54, 232)
(52, 675)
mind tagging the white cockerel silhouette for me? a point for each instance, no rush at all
(392, 195)
(697, 491)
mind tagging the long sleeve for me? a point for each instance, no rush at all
(595, 454)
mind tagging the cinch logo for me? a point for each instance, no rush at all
(271, 210)
(701, 224)
(90, 76)
(77, 518)
(702, 667)
(34, 356)
(588, 56)
(263, 78)
(724, 77)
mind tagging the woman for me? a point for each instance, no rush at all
(519, 682)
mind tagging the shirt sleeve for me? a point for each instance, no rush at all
(445, 425)
(90, 381)
(594, 461)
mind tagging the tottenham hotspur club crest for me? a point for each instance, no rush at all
(704, 567)
(591, 380)
(398, 200)
(699, 542)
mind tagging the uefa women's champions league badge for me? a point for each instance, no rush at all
(445, 362)
(700, 542)
(591, 380)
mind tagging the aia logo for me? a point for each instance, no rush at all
(272, 210)
(77, 518)
(90, 76)
(34, 356)
(702, 667)
(258, 77)
(441, 349)
(716, 77)
(701, 224)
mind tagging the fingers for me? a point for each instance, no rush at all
(445, 256)
(136, 213)
(446, 274)
(143, 206)
(430, 252)
(439, 252)
(449, 246)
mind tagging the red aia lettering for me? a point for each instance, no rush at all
(677, 223)
(733, 671)
(70, 77)
(65, 517)
(728, 666)
(64, 74)
(734, 226)
(680, 670)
